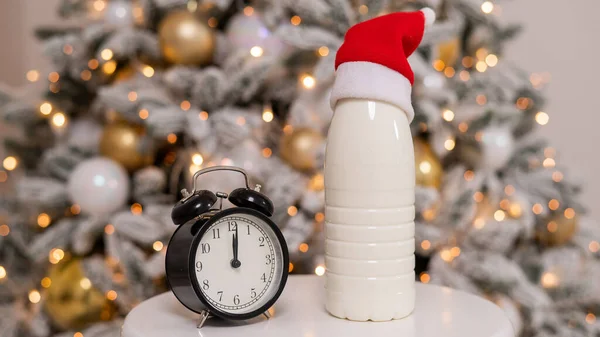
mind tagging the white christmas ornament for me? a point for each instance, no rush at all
(122, 13)
(246, 32)
(497, 145)
(99, 186)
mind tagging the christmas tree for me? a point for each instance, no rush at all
(147, 92)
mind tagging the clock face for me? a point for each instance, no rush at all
(240, 265)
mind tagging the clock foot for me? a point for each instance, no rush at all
(266, 314)
(202, 319)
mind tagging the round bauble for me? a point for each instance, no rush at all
(128, 145)
(449, 51)
(123, 13)
(557, 230)
(248, 31)
(186, 39)
(428, 169)
(99, 186)
(302, 149)
(497, 146)
(72, 301)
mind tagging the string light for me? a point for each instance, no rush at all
(248, 10)
(594, 246)
(267, 152)
(43, 220)
(136, 209)
(455, 251)
(469, 175)
(185, 105)
(86, 75)
(3, 176)
(78, 334)
(363, 9)
(448, 115)
(132, 96)
(111, 295)
(34, 296)
(429, 214)
(2, 273)
(93, 64)
(426, 244)
(509, 189)
(46, 282)
(68, 49)
(85, 283)
(542, 118)
(319, 217)
(439, 65)
(292, 210)
(291, 267)
(143, 113)
(320, 270)
(288, 129)
(569, 213)
(203, 115)
(192, 5)
(552, 227)
(109, 229)
(446, 255)
(553, 204)
(463, 127)
(464, 75)
(212, 22)
(295, 20)
(425, 166)
(557, 176)
(197, 159)
(106, 54)
(487, 7)
(479, 223)
(59, 119)
(468, 61)
(56, 255)
(46, 108)
(481, 99)
(303, 247)
(308, 81)
(499, 215)
(515, 210)
(424, 277)
(10, 163)
(537, 209)
(549, 163)
(549, 280)
(481, 66)
(449, 144)
(4, 230)
(449, 72)
(109, 67)
(478, 196)
(491, 60)
(267, 115)
(99, 5)
(323, 51)
(256, 51)
(523, 103)
(157, 246)
(148, 71)
(172, 138)
(53, 77)
(75, 209)
(590, 318)
(32, 75)
(240, 121)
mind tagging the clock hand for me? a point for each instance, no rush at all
(235, 263)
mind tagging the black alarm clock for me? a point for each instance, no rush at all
(229, 263)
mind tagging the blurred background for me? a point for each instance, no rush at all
(504, 139)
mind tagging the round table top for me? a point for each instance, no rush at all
(300, 312)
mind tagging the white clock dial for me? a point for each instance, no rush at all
(245, 286)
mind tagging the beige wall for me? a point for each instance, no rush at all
(558, 37)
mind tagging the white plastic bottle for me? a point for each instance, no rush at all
(369, 173)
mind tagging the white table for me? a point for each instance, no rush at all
(300, 312)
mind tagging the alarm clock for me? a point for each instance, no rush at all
(229, 263)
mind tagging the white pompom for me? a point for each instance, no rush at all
(429, 16)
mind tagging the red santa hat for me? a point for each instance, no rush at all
(372, 63)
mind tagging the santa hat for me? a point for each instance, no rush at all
(372, 63)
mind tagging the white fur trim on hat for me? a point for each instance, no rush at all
(372, 81)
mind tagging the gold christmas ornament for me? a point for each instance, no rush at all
(127, 144)
(186, 39)
(557, 230)
(449, 51)
(72, 301)
(428, 168)
(301, 148)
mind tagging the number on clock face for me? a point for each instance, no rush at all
(247, 287)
